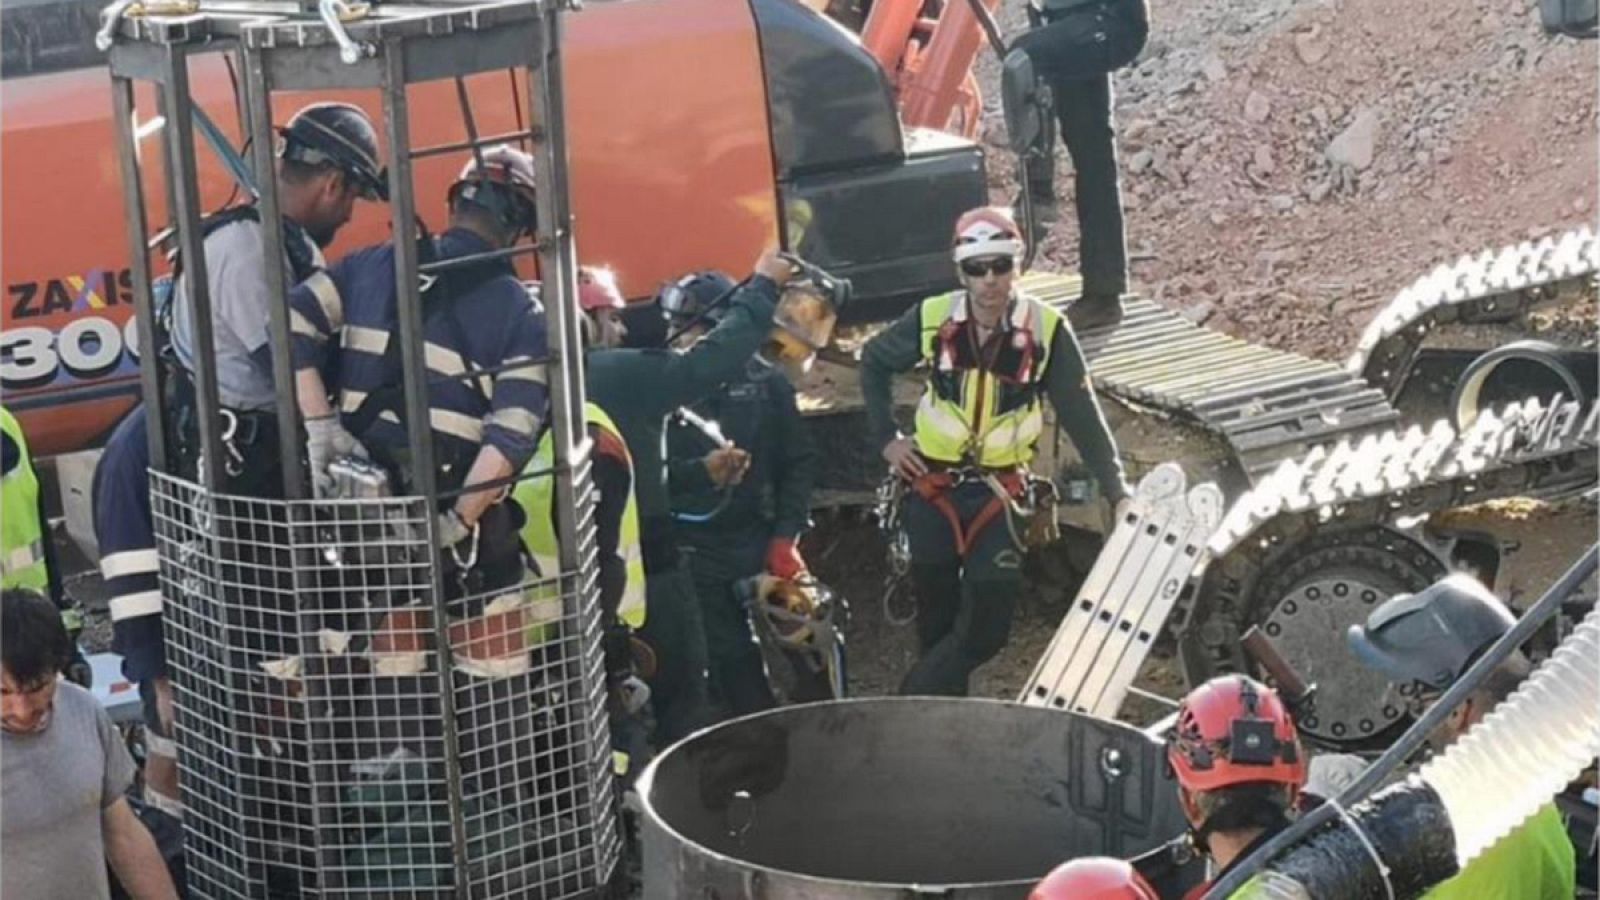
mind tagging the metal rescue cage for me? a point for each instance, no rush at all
(349, 723)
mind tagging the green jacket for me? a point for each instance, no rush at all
(1534, 862)
(759, 415)
(899, 348)
(639, 388)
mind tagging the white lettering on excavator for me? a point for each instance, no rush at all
(85, 349)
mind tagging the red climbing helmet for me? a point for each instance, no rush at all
(597, 289)
(987, 231)
(1094, 878)
(1235, 730)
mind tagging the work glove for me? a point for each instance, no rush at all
(784, 560)
(326, 441)
(452, 529)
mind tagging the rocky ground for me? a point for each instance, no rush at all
(1289, 166)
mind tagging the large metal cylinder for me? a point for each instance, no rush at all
(897, 797)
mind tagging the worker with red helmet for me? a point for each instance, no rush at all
(1093, 878)
(1240, 768)
(997, 357)
(602, 304)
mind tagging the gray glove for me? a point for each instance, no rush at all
(326, 441)
(452, 529)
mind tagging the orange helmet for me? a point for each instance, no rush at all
(509, 172)
(987, 231)
(1235, 730)
(597, 289)
(1094, 878)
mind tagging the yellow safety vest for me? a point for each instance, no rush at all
(536, 496)
(21, 533)
(969, 415)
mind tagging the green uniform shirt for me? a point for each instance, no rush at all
(1534, 862)
(640, 387)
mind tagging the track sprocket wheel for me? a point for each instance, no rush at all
(1308, 596)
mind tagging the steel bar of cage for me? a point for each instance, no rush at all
(184, 188)
(258, 119)
(558, 264)
(124, 110)
(424, 475)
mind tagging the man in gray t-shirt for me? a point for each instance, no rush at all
(63, 774)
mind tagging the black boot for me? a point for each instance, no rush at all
(1097, 309)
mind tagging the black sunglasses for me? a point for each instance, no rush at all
(977, 268)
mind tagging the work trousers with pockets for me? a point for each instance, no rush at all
(964, 604)
(673, 630)
(1075, 52)
(738, 677)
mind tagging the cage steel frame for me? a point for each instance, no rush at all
(349, 723)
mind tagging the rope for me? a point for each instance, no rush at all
(1372, 851)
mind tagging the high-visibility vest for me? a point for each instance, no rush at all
(969, 415)
(536, 496)
(21, 533)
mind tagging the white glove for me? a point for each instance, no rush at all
(1328, 774)
(452, 529)
(326, 441)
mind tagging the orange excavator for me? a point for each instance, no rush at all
(699, 131)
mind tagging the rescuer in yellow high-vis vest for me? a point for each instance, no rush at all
(996, 357)
(22, 532)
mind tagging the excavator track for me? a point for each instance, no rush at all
(1265, 405)
(1320, 540)
(1413, 349)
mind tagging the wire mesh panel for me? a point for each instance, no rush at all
(316, 754)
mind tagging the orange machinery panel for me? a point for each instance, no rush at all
(670, 161)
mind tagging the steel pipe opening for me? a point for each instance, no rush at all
(1519, 370)
(898, 797)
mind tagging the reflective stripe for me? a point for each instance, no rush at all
(129, 562)
(301, 325)
(515, 418)
(327, 293)
(366, 340)
(135, 606)
(525, 370)
(457, 425)
(18, 558)
(351, 400)
(159, 746)
(451, 364)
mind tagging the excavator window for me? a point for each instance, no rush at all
(38, 37)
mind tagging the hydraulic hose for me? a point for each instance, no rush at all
(1414, 835)
(1535, 617)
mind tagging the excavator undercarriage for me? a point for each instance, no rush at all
(1476, 384)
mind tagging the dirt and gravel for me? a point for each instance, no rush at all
(1288, 167)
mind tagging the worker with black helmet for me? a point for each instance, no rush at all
(1423, 643)
(640, 389)
(1072, 49)
(486, 390)
(328, 157)
(740, 495)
